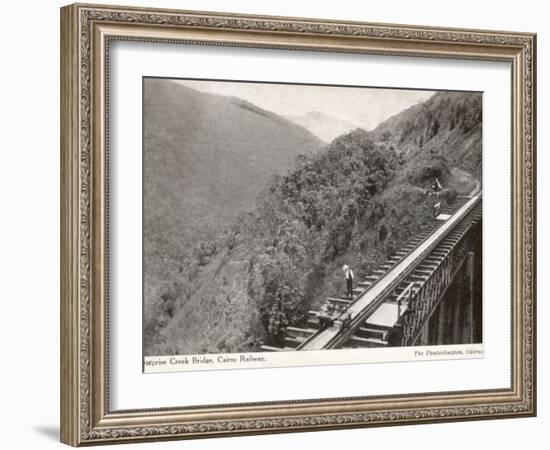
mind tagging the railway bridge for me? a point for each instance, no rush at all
(424, 294)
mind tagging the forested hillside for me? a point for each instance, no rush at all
(354, 202)
(206, 159)
(448, 123)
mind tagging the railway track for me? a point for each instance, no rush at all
(374, 330)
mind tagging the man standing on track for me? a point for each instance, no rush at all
(349, 279)
(436, 185)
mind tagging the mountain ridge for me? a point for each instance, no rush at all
(220, 162)
(448, 123)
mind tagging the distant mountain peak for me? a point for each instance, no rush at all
(316, 115)
(322, 125)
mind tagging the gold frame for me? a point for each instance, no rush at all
(86, 31)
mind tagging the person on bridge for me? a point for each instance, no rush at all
(437, 208)
(436, 185)
(349, 279)
(325, 317)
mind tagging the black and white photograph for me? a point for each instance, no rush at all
(243, 225)
(283, 218)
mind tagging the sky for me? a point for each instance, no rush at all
(362, 106)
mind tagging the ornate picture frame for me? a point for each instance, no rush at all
(87, 31)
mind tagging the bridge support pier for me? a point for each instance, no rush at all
(470, 268)
(452, 322)
(425, 336)
(459, 302)
(441, 324)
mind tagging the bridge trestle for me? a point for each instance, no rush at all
(397, 315)
(457, 248)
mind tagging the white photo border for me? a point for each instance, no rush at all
(126, 377)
